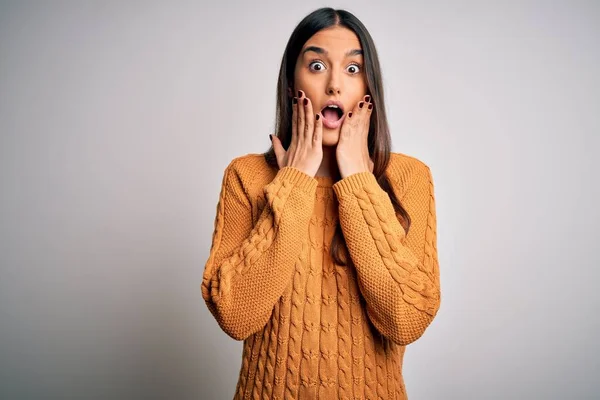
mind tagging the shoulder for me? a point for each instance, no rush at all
(248, 165)
(405, 171)
(404, 164)
(249, 171)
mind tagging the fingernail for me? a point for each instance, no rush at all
(368, 98)
(350, 114)
(317, 117)
(370, 106)
(299, 93)
(295, 100)
(305, 101)
(271, 137)
(360, 104)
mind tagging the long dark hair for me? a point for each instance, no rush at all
(379, 140)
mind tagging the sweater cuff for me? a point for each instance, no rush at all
(298, 178)
(353, 182)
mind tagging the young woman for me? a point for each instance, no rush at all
(324, 256)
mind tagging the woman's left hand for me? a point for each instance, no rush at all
(352, 151)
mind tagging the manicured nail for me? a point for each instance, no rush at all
(368, 98)
(360, 104)
(370, 106)
(350, 114)
(299, 93)
(305, 101)
(317, 117)
(271, 137)
(295, 100)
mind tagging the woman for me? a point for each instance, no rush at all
(324, 259)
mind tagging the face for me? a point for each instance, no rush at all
(330, 67)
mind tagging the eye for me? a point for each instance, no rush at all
(320, 66)
(356, 67)
(317, 63)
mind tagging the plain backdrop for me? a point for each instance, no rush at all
(118, 118)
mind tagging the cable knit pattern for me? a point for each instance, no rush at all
(313, 329)
(401, 289)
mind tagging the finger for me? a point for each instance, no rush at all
(357, 111)
(362, 111)
(369, 110)
(278, 149)
(368, 104)
(364, 105)
(345, 124)
(318, 133)
(294, 121)
(351, 120)
(300, 121)
(309, 120)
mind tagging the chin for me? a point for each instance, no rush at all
(331, 137)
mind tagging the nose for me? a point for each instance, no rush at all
(333, 86)
(333, 89)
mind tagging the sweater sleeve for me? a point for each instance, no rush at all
(398, 274)
(250, 265)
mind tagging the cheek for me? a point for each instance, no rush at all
(301, 77)
(307, 83)
(360, 93)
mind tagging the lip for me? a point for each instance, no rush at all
(333, 103)
(333, 124)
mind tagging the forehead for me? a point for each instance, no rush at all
(336, 40)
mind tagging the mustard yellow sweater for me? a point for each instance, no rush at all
(313, 329)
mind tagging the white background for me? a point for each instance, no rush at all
(117, 120)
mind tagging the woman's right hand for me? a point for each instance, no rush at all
(306, 148)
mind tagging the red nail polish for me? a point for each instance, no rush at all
(317, 117)
(360, 104)
(370, 106)
(295, 100)
(368, 98)
(305, 101)
(299, 93)
(350, 114)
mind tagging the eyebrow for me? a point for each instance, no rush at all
(319, 50)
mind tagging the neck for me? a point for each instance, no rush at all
(329, 167)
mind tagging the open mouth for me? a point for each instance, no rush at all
(332, 113)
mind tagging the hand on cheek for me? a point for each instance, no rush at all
(352, 151)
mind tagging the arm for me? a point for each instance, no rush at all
(250, 265)
(398, 274)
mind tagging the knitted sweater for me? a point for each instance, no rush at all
(311, 328)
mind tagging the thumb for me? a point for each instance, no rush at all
(278, 149)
